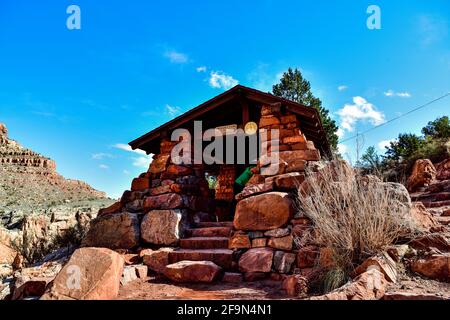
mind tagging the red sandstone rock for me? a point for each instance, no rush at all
(371, 285)
(267, 121)
(296, 165)
(140, 184)
(295, 285)
(307, 257)
(288, 118)
(7, 255)
(221, 257)
(179, 170)
(434, 267)
(443, 170)
(29, 287)
(230, 277)
(263, 212)
(141, 271)
(271, 109)
(284, 243)
(114, 231)
(163, 202)
(289, 156)
(326, 258)
(90, 274)
(253, 190)
(256, 260)
(295, 140)
(131, 258)
(192, 271)
(421, 216)
(429, 241)
(256, 179)
(163, 227)
(239, 241)
(423, 174)
(160, 190)
(159, 163)
(283, 261)
(259, 243)
(157, 260)
(288, 181)
(254, 276)
(383, 263)
(114, 208)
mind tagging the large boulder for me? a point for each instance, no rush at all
(192, 271)
(256, 260)
(163, 227)
(90, 274)
(434, 267)
(443, 170)
(114, 231)
(263, 212)
(423, 174)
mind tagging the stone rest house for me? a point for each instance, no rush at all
(194, 212)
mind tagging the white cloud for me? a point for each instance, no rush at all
(221, 80)
(360, 110)
(142, 162)
(201, 69)
(384, 143)
(126, 147)
(176, 57)
(172, 110)
(101, 156)
(340, 132)
(342, 88)
(103, 166)
(342, 148)
(392, 93)
(126, 172)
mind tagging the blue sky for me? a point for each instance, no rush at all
(79, 96)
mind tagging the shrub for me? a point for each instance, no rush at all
(34, 252)
(355, 217)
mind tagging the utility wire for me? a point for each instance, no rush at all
(396, 118)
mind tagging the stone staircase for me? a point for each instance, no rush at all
(436, 198)
(208, 241)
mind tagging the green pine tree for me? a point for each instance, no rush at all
(294, 87)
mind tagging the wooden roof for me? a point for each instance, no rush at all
(310, 123)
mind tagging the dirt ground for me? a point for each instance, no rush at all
(156, 288)
(160, 289)
(417, 285)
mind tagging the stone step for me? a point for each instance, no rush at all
(210, 232)
(432, 197)
(204, 243)
(215, 224)
(221, 257)
(436, 204)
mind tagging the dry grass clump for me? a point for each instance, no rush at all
(356, 217)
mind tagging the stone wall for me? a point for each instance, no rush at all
(265, 222)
